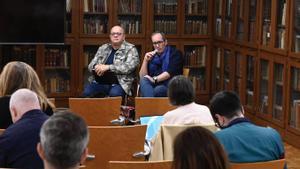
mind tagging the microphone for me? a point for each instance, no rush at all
(154, 52)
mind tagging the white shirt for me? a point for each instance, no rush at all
(189, 114)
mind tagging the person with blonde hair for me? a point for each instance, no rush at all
(16, 75)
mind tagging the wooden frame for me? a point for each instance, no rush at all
(96, 111)
(114, 143)
(275, 164)
(139, 164)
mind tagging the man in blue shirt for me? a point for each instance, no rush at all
(243, 141)
(159, 66)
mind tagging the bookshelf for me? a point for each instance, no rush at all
(295, 27)
(219, 17)
(266, 22)
(228, 19)
(281, 20)
(216, 69)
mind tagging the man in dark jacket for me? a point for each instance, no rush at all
(18, 142)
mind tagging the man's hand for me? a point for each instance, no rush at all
(100, 69)
(150, 78)
(148, 56)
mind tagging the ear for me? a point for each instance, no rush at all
(14, 114)
(40, 151)
(84, 155)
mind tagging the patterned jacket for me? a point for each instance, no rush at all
(124, 65)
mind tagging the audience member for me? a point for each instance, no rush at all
(182, 94)
(243, 140)
(198, 148)
(19, 140)
(159, 66)
(16, 75)
(64, 139)
(113, 66)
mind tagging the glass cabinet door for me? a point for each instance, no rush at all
(196, 17)
(296, 27)
(280, 24)
(277, 110)
(89, 52)
(165, 16)
(129, 15)
(57, 69)
(227, 70)
(95, 17)
(251, 37)
(250, 71)
(266, 22)
(264, 83)
(294, 104)
(216, 69)
(218, 16)
(228, 19)
(240, 20)
(195, 60)
(238, 73)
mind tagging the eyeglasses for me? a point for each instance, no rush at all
(116, 33)
(158, 42)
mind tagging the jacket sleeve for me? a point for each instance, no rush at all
(97, 56)
(128, 65)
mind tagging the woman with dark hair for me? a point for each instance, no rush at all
(181, 93)
(198, 148)
(16, 75)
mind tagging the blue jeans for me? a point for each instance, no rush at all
(95, 88)
(149, 89)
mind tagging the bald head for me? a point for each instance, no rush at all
(22, 101)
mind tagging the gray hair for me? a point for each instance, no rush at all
(64, 137)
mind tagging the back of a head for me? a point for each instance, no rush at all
(180, 91)
(22, 101)
(198, 148)
(64, 138)
(14, 76)
(225, 103)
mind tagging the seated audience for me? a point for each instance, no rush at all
(182, 94)
(198, 148)
(64, 139)
(16, 75)
(19, 140)
(243, 140)
(159, 66)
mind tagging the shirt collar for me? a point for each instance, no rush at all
(237, 121)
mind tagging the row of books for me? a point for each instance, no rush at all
(219, 5)
(196, 27)
(95, 6)
(228, 8)
(199, 7)
(240, 30)
(168, 27)
(266, 34)
(68, 26)
(165, 6)
(57, 85)
(25, 54)
(295, 79)
(131, 26)
(227, 28)
(297, 14)
(56, 58)
(198, 82)
(297, 42)
(280, 38)
(219, 27)
(294, 120)
(130, 6)
(195, 57)
(88, 56)
(95, 26)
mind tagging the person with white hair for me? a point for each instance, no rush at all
(18, 142)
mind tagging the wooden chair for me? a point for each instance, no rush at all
(162, 147)
(152, 106)
(275, 164)
(139, 164)
(114, 143)
(96, 111)
(1, 131)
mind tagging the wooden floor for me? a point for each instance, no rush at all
(292, 156)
